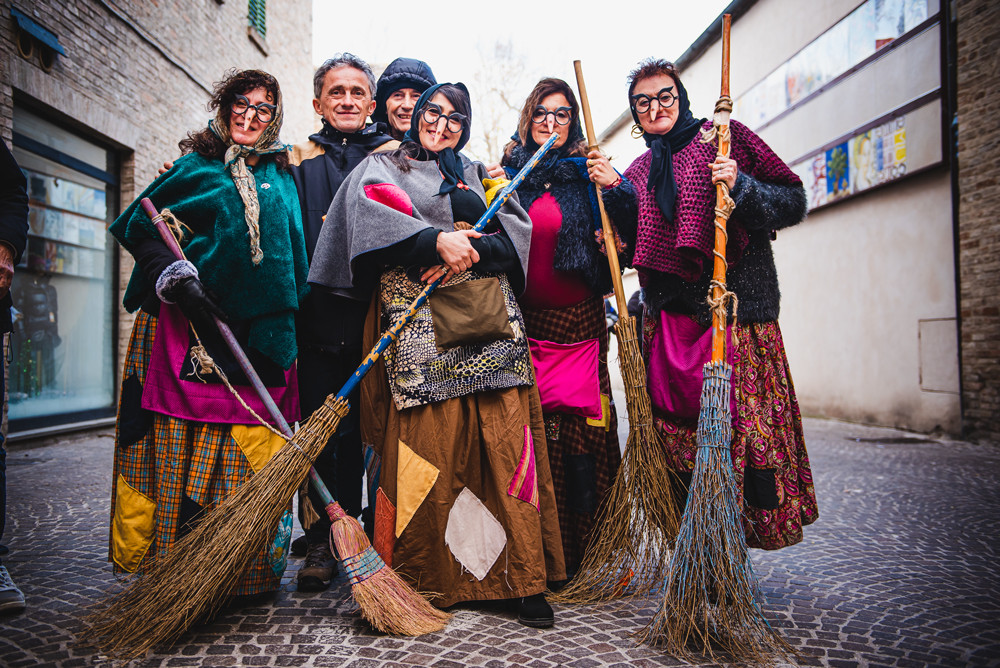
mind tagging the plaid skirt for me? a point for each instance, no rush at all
(168, 470)
(584, 457)
(774, 480)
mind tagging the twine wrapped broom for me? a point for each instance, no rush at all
(193, 579)
(711, 597)
(638, 519)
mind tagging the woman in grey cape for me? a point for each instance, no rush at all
(465, 508)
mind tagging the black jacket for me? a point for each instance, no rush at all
(13, 218)
(400, 73)
(319, 167)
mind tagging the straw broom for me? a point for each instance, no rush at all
(711, 597)
(193, 579)
(638, 520)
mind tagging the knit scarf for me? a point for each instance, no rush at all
(235, 161)
(661, 171)
(449, 162)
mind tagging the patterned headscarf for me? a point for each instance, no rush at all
(235, 160)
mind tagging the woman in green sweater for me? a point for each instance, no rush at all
(183, 441)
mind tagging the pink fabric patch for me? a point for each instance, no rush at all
(566, 376)
(679, 350)
(524, 484)
(390, 195)
(165, 392)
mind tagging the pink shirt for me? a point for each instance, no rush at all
(548, 287)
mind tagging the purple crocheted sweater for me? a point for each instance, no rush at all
(684, 247)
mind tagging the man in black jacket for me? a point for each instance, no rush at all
(329, 327)
(13, 237)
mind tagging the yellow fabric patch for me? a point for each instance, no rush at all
(258, 444)
(605, 419)
(132, 525)
(415, 476)
(493, 186)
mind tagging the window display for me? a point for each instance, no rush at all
(62, 346)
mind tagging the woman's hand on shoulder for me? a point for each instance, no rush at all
(495, 171)
(456, 251)
(725, 170)
(167, 166)
(599, 169)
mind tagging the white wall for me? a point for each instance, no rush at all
(868, 307)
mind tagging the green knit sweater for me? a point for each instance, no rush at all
(200, 193)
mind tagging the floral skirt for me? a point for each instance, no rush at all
(774, 480)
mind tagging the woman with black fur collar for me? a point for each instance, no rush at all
(563, 303)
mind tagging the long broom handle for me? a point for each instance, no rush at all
(227, 334)
(721, 196)
(610, 245)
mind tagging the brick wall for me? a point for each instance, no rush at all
(137, 74)
(979, 201)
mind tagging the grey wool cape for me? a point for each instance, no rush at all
(379, 205)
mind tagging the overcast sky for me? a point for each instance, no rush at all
(548, 36)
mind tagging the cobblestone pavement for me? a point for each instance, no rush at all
(898, 571)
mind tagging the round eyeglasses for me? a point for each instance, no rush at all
(454, 122)
(562, 115)
(665, 98)
(264, 111)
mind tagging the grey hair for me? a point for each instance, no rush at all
(344, 59)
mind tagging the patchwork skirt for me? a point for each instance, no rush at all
(773, 476)
(584, 454)
(168, 470)
(464, 507)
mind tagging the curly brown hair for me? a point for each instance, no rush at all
(234, 82)
(544, 88)
(650, 67)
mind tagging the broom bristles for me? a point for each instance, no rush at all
(389, 603)
(636, 525)
(711, 598)
(194, 578)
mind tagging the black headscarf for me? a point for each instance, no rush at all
(661, 168)
(448, 160)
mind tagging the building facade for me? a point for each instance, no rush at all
(859, 98)
(94, 96)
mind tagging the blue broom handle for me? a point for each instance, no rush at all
(393, 332)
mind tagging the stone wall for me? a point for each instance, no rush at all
(137, 75)
(979, 201)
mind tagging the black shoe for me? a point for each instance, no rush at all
(11, 598)
(299, 546)
(535, 611)
(320, 566)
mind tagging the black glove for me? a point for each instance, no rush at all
(195, 302)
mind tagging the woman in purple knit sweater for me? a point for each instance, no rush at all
(671, 234)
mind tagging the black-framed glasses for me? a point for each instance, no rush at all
(562, 115)
(665, 98)
(454, 121)
(264, 111)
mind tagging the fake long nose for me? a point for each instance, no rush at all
(248, 118)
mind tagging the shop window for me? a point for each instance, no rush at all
(63, 343)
